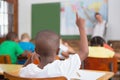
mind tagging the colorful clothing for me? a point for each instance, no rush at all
(100, 52)
(12, 49)
(108, 47)
(27, 46)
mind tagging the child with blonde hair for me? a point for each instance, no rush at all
(26, 44)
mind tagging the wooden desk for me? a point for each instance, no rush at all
(13, 68)
(107, 76)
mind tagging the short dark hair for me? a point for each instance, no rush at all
(97, 41)
(47, 43)
(97, 13)
(11, 36)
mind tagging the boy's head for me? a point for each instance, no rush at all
(97, 41)
(12, 36)
(25, 37)
(47, 44)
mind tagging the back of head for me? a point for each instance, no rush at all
(47, 43)
(11, 36)
(25, 36)
(97, 41)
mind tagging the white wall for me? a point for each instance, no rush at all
(113, 32)
(114, 20)
(24, 24)
(24, 16)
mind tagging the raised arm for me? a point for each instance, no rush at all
(83, 53)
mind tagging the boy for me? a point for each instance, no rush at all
(47, 47)
(97, 49)
(25, 43)
(10, 47)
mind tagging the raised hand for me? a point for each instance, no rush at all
(83, 53)
(80, 21)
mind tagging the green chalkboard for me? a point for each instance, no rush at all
(45, 16)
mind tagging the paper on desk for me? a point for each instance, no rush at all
(88, 75)
(1, 70)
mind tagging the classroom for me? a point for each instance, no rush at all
(88, 33)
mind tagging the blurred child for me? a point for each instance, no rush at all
(100, 49)
(25, 43)
(65, 50)
(10, 47)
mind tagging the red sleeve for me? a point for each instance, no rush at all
(108, 47)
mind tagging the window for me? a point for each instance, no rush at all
(6, 17)
(3, 18)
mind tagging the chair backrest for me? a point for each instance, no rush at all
(5, 59)
(9, 76)
(104, 64)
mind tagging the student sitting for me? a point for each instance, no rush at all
(97, 49)
(10, 47)
(25, 43)
(47, 47)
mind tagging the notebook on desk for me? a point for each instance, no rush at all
(88, 75)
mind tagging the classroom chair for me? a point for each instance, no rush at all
(9, 76)
(5, 59)
(103, 64)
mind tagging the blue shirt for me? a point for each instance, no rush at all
(27, 46)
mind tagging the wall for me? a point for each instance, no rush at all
(114, 20)
(24, 23)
